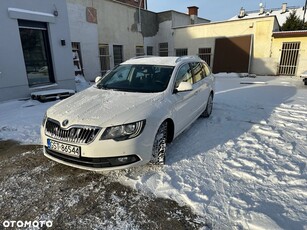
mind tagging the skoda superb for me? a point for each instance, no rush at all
(130, 115)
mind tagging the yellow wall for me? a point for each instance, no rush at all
(302, 59)
(202, 36)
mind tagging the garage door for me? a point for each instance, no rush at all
(232, 54)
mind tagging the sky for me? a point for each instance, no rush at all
(217, 10)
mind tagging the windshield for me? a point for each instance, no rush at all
(137, 78)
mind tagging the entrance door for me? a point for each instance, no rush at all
(288, 58)
(36, 52)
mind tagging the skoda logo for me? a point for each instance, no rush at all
(65, 122)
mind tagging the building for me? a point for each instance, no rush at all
(35, 50)
(44, 45)
(105, 33)
(247, 43)
(159, 39)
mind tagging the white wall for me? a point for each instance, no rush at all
(87, 35)
(116, 25)
(13, 77)
(165, 34)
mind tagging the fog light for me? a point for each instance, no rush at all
(123, 159)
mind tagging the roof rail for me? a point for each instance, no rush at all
(195, 57)
(143, 56)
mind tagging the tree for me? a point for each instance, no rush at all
(293, 22)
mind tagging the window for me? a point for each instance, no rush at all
(118, 54)
(76, 51)
(139, 50)
(205, 54)
(104, 58)
(181, 52)
(163, 49)
(149, 50)
(207, 69)
(137, 78)
(184, 75)
(198, 71)
(36, 52)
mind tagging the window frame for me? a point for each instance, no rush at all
(43, 28)
(104, 58)
(205, 56)
(139, 51)
(181, 52)
(121, 54)
(163, 50)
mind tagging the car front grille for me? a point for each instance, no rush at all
(74, 134)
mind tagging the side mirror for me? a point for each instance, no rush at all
(97, 79)
(184, 86)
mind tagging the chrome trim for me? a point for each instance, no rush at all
(80, 134)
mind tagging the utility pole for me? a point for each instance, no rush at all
(304, 11)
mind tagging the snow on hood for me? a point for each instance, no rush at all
(100, 107)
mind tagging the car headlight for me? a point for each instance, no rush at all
(123, 132)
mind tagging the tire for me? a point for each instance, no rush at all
(159, 145)
(209, 107)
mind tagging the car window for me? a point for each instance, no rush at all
(184, 74)
(137, 78)
(121, 75)
(198, 71)
(207, 69)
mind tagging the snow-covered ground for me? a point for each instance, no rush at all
(244, 167)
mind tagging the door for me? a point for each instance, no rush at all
(36, 52)
(202, 80)
(232, 54)
(184, 102)
(289, 58)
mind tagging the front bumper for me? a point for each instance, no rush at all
(93, 164)
(103, 155)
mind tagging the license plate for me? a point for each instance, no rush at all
(70, 150)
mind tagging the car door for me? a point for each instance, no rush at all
(184, 103)
(201, 84)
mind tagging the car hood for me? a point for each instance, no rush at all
(98, 107)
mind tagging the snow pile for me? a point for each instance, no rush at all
(244, 167)
(81, 83)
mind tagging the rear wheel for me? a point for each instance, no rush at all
(159, 145)
(209, 107)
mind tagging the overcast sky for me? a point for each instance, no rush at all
(217, 10)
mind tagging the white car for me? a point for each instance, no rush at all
(128, 117)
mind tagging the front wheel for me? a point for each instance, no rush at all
(159, 145)
(209, 107)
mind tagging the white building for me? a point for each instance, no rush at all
(35, 50)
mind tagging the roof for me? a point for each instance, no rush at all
(296, 33)
(154, 60)
(280, 16)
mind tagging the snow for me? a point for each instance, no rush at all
(52, 91)
(244, 167)
(30, 12)
(281, 17)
